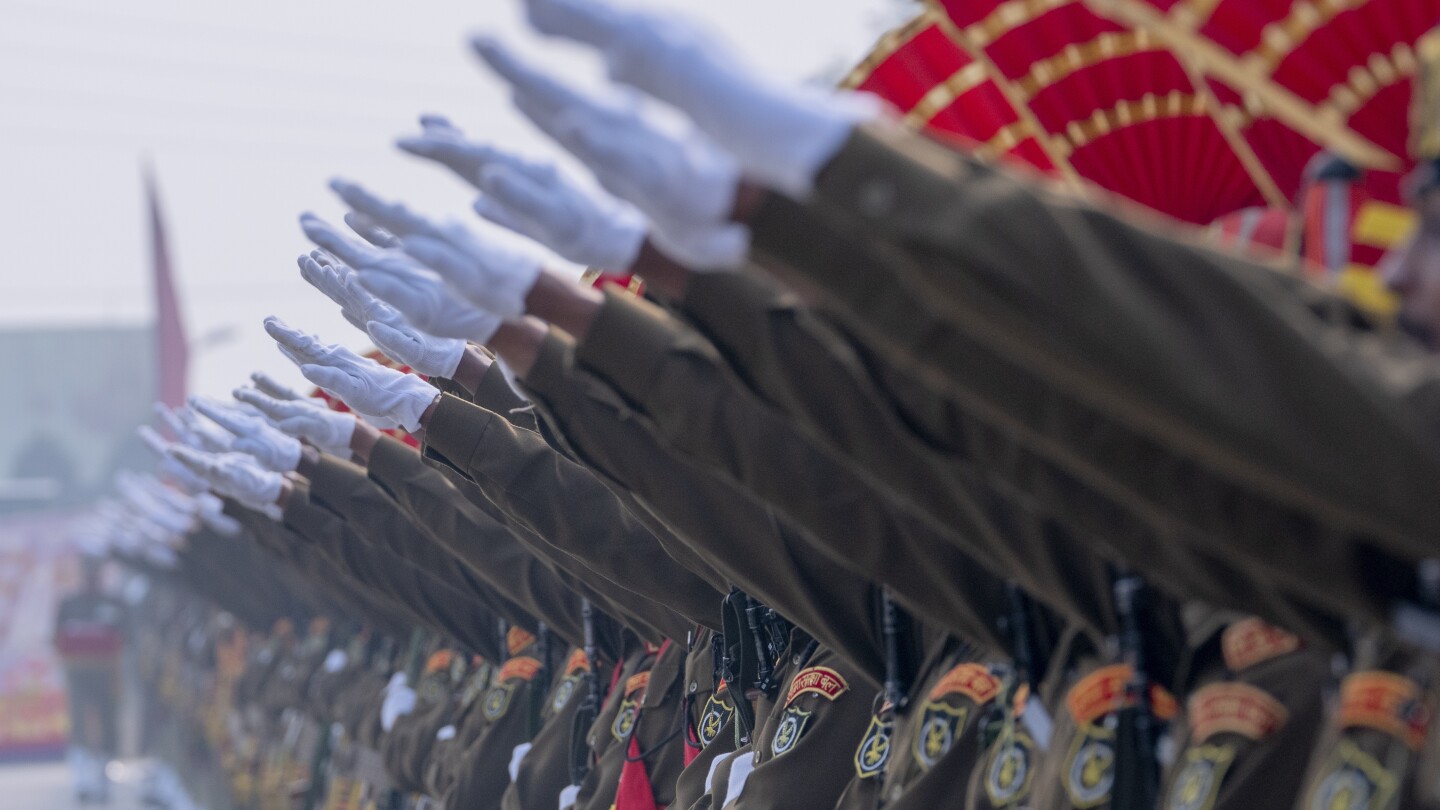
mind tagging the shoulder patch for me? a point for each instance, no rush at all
(1089, 770)
(497, 701)
(1198, 777)
(874, 750)
(789, 731)
(1350, 779)
(974, 681)
(1234, 708)
(1386, 702)
(822, 681)
(716, 714)
(1010, 770)
(940, 726)
(625, 719)
(1104, 691)
(524, 668)
(517, 639)
(637, 683)
(577, 662)
(1251, 641)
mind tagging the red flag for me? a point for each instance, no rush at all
(172, 353)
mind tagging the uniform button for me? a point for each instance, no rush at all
(694, 687)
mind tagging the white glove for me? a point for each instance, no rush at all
(149, 507)
(434, 356)
(588, 228)
(235, 475)
(211, 512)
(374, 390)
(443, 142)
(681, 181)
(273, 389)
(173, 470)
(783, 135)
(380, 394)
(306, 419)
(427, 301)
(176, 501)
(299, 347)
(535, 200)
(273, 449)
(492, 276)
(193, 430)
(370, 231)
(399, 701)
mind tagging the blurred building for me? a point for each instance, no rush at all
(71, 399)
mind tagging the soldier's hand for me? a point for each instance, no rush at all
(274, 389)
(172, 470)
(678, 178)
(382, 395)
(235, 475)
(491, 275)
(781, 134)
(308, 419)
(255, 436)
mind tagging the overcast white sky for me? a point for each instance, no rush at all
(245, 109)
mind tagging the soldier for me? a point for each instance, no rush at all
(88, 628)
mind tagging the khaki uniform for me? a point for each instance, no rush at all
(488, 548)
(436, 604)
(1372, 752)
(522, 474)
(545, 770)
(1254, 709)
(1155, 378)
(346, 490)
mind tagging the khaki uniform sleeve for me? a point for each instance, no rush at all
(567, 506)
(672, 375)
(440, 606)
(758, 550)
(474, 538)
(1161, 376)
(626, 607)
(372, 515)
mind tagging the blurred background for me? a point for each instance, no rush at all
(156, 155)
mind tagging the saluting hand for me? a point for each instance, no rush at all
(307, 419)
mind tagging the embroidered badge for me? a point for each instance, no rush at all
(1090, 767)
(717, 713)
(475, 686)
(1234, 708)
(1351, 780)
(1201, 772)
(1009, 770)
(577, 662)
(1386, 702)
(940, 726)
(438, 661)
(518, 639)
(564, 691)
(625, 719)
(822, 681)
(1251, 641)
(523, 668)
(497, 701)
(791, 728)
(874, 750)
(974, 681)
(637, 685)
(1105, 691)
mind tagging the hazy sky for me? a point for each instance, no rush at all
(244, 110)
